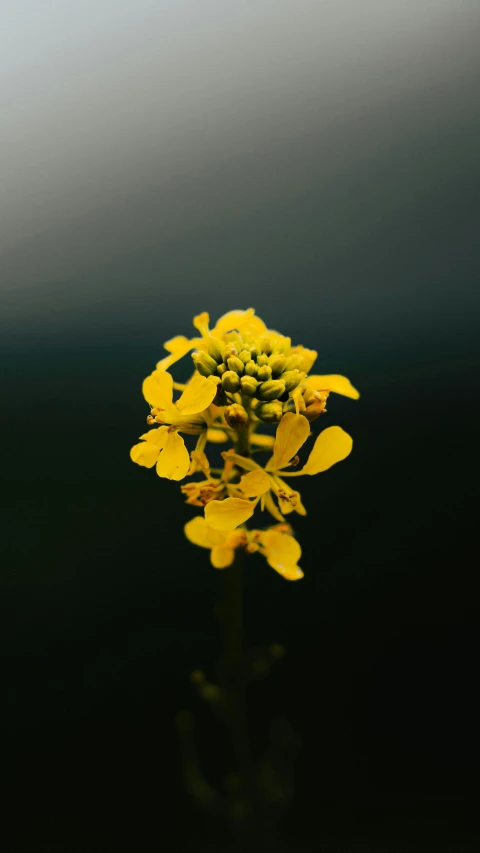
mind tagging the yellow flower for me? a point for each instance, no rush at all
(222, 544)
(280, 548)
(243, 321)
(164, 446)
(197, 396)
(331, 446)
(255, 376)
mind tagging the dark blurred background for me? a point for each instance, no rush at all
(318, 161)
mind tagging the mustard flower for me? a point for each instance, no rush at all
(245, 376)
(164, 446)
(278, 546)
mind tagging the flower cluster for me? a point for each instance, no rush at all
(245, 376)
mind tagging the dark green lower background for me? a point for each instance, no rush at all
(107, 609)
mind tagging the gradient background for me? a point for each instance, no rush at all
(317, 160)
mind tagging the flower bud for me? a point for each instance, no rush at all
(251, 368)
(293, 362)
(236, 416)
(205, 365)
(264, 373)
(245, 355)
(228, 351)
(235, 364)
(271, 390)
(248, 385)
(262, 360)
(230, 381)
(291, 379)
(215, 348)
(269, 413)
(221, 369)
(277, 362)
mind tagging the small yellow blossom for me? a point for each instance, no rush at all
(221, 544)
(197, 396)
(331, 446)
(164, 446)
(167, 449)
(278, 546)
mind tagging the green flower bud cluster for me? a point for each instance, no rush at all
(263, 369)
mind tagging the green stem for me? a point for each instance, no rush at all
(234, 667)
(243, 436)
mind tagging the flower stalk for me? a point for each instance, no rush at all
(234, 671)
(246, 379)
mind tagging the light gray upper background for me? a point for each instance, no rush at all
(313, 157)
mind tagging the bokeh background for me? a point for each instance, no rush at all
(317, 160)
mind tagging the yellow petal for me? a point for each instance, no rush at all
(166, 362)
(271, 507)
(201, 322)
(144, 454)
(228, 514)
(178, 344)
(281, 547)
(158, 389)
(283, 553)
(266, 441)
(333, 382)
(255, 483)
(198, 394)
(290, 573)
(174, 460)
(216, 436)
(156, 436)
(331, 446)
(177, 347)
(243, 321)
(292, 432)
(221, 557)
(309, 356)
(198, 532)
